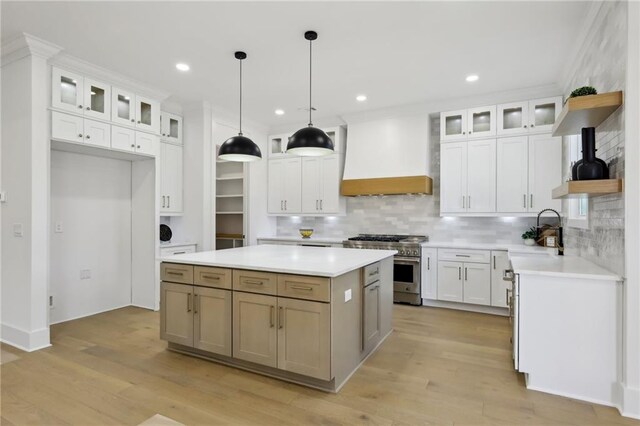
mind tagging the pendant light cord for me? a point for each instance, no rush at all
(240, 133)
(310, 80)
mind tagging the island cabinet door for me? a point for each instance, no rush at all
(254, 328)
(212, 320)
(176, 313)
(371, 316)
(304, 344)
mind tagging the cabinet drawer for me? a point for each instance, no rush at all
(304, 287)
(371, 273)
(172, 251)
(212, 277)
(176, 273)
(255, 281)
(461, 255)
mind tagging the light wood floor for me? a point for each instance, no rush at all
(438, 367)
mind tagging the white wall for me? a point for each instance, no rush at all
(91, 199)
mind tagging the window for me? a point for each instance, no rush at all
(578, 207)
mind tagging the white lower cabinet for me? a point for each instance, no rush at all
(171, 180)
(499, 262)
(467, 280)
(477, 284)
(429, 273)
(450, 281)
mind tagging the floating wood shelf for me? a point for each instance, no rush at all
(580, 188)
(230, 236)
(586, 111)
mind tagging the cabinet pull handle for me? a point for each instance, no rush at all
(139, 123)
(459, 273)
(463, 255)
(138, 146)
(465, 274)
(280, 317)
(254, 282)
(468, 201)
(80, 106)
(320, 204)
(281, 205)
(271, 316)
(88, 136)
(189, 302)
(79, 135)
(285, 205)
(317, 208)
(179, 252)
(463, 201)
(428, 263)
(88, 108)
(525, 126)
(524, 201)
(531, 202)
(175, 273)
(163, 201)
(211, 277)
(373, 287)
(133, 146)
(301, 287)
(372, 273)
(168, 201)
(133, 121)
(195, 303)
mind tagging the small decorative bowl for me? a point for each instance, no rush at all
(306, 233)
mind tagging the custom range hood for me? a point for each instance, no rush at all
(388, 156)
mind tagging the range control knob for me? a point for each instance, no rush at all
(400, 251)
(415, 252)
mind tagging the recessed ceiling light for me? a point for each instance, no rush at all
(182, 67)
(472, 77)
(361, 98)
(279, 112)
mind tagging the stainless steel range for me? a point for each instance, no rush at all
(406, 264)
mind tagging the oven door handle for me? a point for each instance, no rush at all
(405, 260)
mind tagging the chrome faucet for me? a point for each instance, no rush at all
(559, 242)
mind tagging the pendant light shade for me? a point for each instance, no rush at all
(310, 141)
(239, 148)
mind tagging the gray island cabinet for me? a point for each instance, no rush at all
(309, 315)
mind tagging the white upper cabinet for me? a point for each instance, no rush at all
(285, 186)
(67, 127)
(453, 177)
(147, 114)
(453, 125)
(123, 109)
(321, 184)
(97, 133)
(481, 122)
(513, 118)
(543, 114)
(171, 179)
(278, 145)
(123, 139)
(311, 184)
(147, 143)
(481, 176)
(171, 127)
(67, 91)
(545, 171)
(512, 174)
(97, 99)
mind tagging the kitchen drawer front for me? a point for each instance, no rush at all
(176, 273)
(255, 281)
(172, 251)
(212, 277)
(304, 287)
(371, 273)
(461, 255)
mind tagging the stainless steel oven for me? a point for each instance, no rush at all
(406, 280)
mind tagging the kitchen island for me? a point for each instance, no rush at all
(309, 315)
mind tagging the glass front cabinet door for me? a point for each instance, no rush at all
(97, 99)
(543, 113)
(147, 114)
(513, 118)
(123, 110)
(171, 127)
(66, 91)
(481, 122)
(453, 125)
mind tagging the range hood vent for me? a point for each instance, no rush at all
(387, 186)
(389, 156)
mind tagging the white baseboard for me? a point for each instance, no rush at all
(629, 401)
(571, 395)
(28, 341)
(466, 307)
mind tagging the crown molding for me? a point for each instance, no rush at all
(23, 45)
(72, 63)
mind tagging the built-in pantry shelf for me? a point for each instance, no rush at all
(586, 111)
(591, 188)
(231, 177)
(230, 236)
(230, 196)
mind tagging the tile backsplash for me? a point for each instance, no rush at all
(601, 67)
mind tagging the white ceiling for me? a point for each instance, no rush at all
(395, 53)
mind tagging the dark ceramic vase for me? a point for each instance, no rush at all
(590, 167)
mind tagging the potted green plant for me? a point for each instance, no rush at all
(529, 237)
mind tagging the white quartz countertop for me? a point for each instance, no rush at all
(318, 261)
(561, 266)
(298, 239)
(512, 248)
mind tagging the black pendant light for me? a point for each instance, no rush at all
(310, 141)
(239, 148)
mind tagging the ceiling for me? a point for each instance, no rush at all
(394, 52)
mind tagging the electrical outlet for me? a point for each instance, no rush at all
(347, 295)
(58, 227)
(85, 274)
(17, 230)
